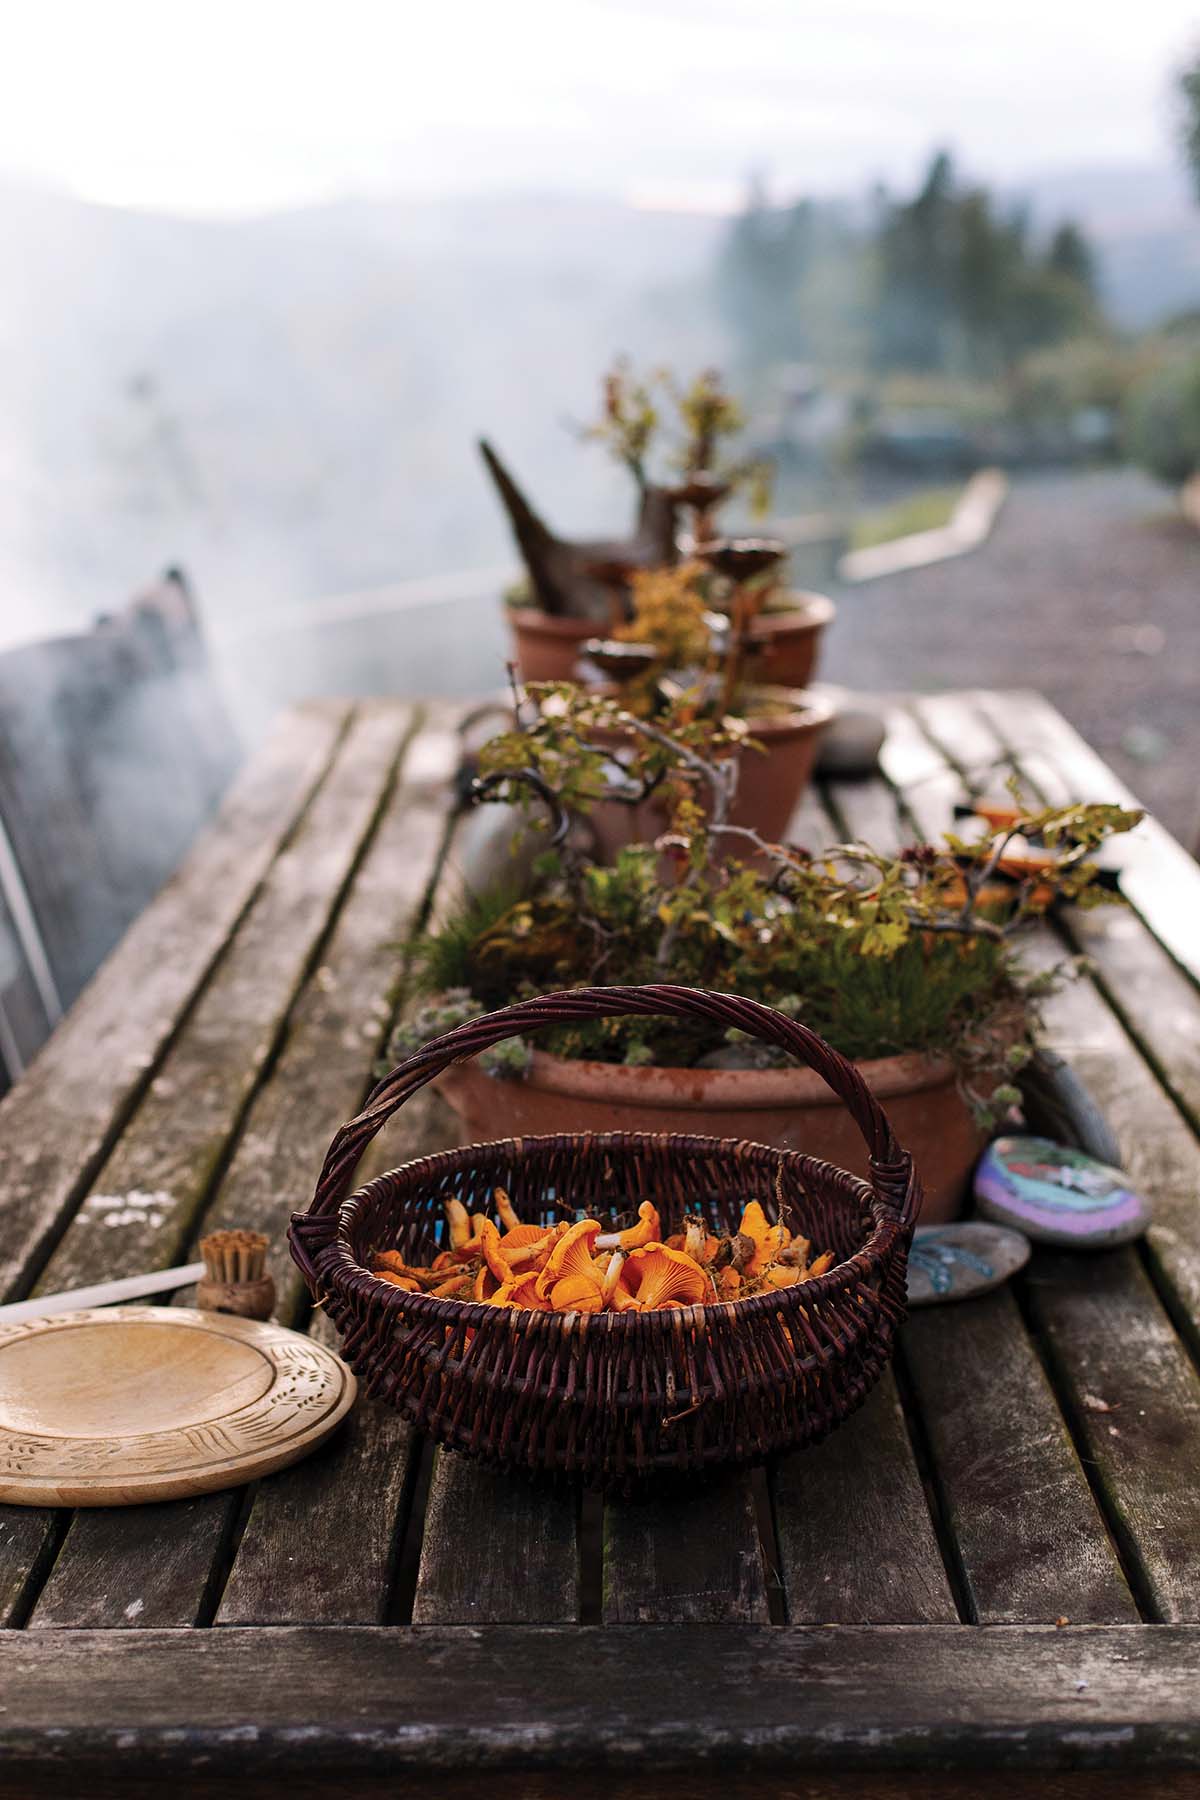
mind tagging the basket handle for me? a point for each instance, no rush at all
(893, 1178)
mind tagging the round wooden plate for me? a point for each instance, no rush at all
(131, 1403)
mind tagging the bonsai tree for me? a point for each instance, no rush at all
(689, 627)
(674, 437)
(880, 953)
(673, 441)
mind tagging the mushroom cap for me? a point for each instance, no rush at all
(521, 1293)
(517, 1236)
(571, 1255)
(768, 1239)
(577, 1292)
(528, 1246)
(493, 1256)
(486, 1283)
(654, 1276)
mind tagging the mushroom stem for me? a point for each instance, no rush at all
(505, 1210)
(459, 1221)
(611, 1274)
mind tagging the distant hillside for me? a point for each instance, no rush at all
(1145, 225)
(289, 405)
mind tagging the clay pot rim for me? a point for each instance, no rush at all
(805, 611)
(709, 1090)
(810, 612)
(807, 711)
(550, 625)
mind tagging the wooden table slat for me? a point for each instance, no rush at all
(1160, 1151)
(496, 1550)
(1137, 1396)
(857, 1543)
(1160, 879)
(688, 1557)
(290, 1566)
(348, 1704)
(1031, 1542)
(322, 1540)
(1156, 998)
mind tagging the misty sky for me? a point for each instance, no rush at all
(238, 105)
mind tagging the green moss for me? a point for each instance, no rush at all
(927, 511)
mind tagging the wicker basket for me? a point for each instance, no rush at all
(618, 1397)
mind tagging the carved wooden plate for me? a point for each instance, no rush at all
(130, 1403)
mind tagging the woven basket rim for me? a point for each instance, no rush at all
(343, 1271)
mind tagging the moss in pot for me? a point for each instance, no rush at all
(908, 964)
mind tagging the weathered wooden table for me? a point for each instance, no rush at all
(990, 1576)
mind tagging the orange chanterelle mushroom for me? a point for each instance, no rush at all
(581, 1268)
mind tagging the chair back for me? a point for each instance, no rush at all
(114, 749)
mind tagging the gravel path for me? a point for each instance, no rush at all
(1088, 589)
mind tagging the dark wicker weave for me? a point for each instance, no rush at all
(616, 1397)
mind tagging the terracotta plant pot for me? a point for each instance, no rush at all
(785, 1108)
(787, 642)
(770, 780)
(546, 648)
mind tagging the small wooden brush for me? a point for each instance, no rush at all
(235, 1275)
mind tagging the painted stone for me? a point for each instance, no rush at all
(953, 1262)
(1057, 1195)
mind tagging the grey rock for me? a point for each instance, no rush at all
(851, 744)
(954, 1262)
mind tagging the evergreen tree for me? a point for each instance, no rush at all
(959, 287)
(964, 291)
(1069, 255)
(917, 255)
(762, 264)
(1189, 93)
